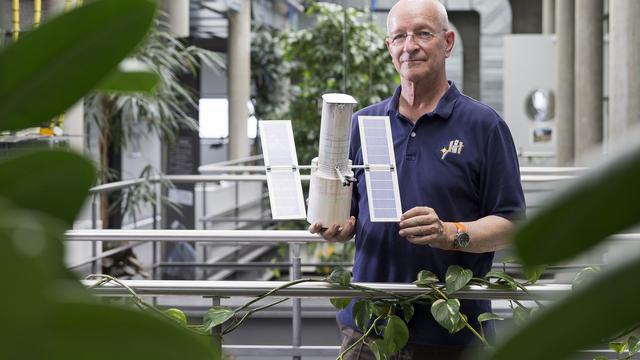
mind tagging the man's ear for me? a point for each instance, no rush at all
(450, 38)
(387, 42)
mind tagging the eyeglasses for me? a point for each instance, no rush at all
(421, 36)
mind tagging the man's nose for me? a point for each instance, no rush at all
(410, 45)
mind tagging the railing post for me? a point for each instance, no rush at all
(157, 203)
(237, 200)
(94, 212)
(216, 332)
(94, 225)
(204, 205)
(154, 263)
(205, 252)
(296, 273)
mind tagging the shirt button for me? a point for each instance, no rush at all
(413, 134)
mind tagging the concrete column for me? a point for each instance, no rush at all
(73, 126)
(178, 16)
(565, 29)
(589, 76)
(239, 68)
(549, 16)
(624, 59)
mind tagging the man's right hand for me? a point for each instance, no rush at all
(335, 233)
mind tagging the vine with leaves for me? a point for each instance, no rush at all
(383, 315)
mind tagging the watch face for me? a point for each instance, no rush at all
(462, 240)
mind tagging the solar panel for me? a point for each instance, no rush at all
(278, 148)
(285, 195)
(380, 173)
(283, 175)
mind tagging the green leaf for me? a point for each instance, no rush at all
(381, 308)
(618, 347)
(462, 323)
(521, 316)
(52, 182)
(503, 278)
(396, 334)
(426, 278)
(51, 67)
(510, 260)
(633, 345)
(340, 303)
(487, 316)
(340, 276)
(362, 313)
(216, 316)
(378, 349)
(130, 81)
(178, 315)
(446, 313)
(584, 275)
(577, 314)
(457, 278)
(600, 357)
(597, 205)
(407, 311)
(533, 273)
(77, 330)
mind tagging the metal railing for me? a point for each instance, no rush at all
(537, 177)
(218, 289)
(227, 288)
(294, 239)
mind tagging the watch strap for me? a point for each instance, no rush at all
(460, 227)
(461, 239)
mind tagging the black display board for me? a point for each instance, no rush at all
(182, 158)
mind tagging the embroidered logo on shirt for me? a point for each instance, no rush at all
(455, 147)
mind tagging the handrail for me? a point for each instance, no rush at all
(543, 170)
(210, 236)
(228, 236)
(203, 168)
(261, 178)
(313, 289)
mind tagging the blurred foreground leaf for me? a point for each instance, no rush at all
(53, 182)
(50, 68)
(587, 317)
(117, 333)
(130, 81)
(601, 203)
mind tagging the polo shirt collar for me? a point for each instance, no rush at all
(443, 109)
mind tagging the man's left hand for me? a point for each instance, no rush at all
(421, 226)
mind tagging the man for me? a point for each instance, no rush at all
(459, 179)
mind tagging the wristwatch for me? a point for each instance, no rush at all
(461, 240)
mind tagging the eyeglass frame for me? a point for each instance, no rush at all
(395, 39)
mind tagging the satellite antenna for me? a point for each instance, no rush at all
(332, 177)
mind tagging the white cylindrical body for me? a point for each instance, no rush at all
(335, 134)
(329, 200)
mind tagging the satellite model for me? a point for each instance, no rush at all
(332, 176)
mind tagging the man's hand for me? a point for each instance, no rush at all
(335, 233)
(421, 226)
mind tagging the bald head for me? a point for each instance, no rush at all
(430, 8)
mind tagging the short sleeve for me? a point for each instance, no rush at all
(501, 186)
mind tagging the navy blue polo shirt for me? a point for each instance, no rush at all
(459, 160)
